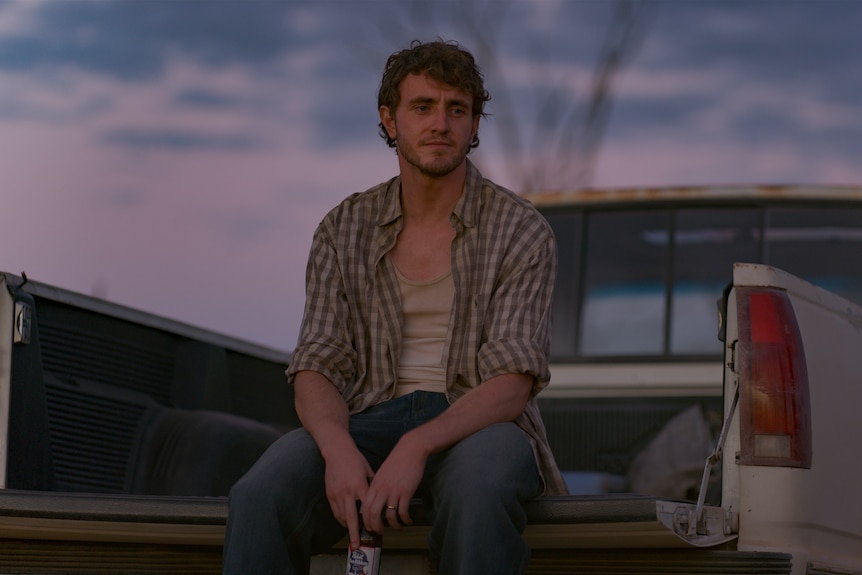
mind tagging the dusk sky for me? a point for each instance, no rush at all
(175, 156)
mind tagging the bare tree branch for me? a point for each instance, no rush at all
(622, 41)
(578, 129)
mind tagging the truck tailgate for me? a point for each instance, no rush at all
(582, 521)
(52, 532)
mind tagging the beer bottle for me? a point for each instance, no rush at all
(365, 559)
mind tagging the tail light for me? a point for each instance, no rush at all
(775, 411)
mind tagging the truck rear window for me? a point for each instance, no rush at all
(643, 283)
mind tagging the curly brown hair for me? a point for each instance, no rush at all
(444, 62)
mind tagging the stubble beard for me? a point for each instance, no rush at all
(436, 167)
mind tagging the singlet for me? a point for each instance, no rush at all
(425, 307)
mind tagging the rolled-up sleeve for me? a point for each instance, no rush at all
(324, 340)
(518, 315)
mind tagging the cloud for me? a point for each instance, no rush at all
(179, 154)
(204, 97)
(133, 40)
(121, 198)
(169, 139)
(55, 98)
(17, 17)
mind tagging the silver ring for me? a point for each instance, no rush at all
(392, 507)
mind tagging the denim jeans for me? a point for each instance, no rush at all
(473, 492)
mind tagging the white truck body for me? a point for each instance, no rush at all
(814, 514)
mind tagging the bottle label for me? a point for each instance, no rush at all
(363, 561)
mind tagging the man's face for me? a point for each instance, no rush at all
(433, 125)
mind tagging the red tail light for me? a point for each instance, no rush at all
(775, 409)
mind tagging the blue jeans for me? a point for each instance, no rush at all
(473, 492)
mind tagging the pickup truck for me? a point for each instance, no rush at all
(121, 432)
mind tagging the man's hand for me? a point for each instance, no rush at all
(394, 485)
(347, 477)
(324, 414)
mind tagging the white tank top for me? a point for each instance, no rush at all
(426, 307)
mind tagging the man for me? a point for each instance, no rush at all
(423, 345)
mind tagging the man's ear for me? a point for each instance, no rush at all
(388, 121)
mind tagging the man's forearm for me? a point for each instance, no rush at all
(498, 400)
(322, 411)
(325, 415)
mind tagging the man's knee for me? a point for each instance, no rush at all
(493, 466)
(291, 465)
(500, 450)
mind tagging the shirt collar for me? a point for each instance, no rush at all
(466, 210)
(390, 202)
(468, 207)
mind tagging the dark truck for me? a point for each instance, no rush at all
(121, 433)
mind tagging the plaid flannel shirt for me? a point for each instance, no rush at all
(503, 265)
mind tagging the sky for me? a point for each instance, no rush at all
(175, 156)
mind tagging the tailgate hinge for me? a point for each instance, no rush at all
(713, 525)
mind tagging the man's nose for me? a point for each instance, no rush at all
(441, 120)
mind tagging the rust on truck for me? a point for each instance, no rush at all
(648, 195)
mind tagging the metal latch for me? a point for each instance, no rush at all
(23, 323)
(714, 524)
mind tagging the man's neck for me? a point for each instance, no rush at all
(425, 198)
